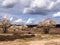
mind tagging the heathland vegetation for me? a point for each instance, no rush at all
(21, 34)
(45, 26)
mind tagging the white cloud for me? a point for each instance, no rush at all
(15, 20)
(30, 21)
(9, 3)
(11, 18)
(7, 16)
(18, 20)
(25, 2)
(15, 3)
(56, 14)
(28, 10)
(43, 7)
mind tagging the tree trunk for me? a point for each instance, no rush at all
(46, 31)
(4, 29)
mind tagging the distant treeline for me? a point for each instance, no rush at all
(57, 25)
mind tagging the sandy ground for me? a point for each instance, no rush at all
(15, 42)
(32, 42)
(36, 42)
(42, 42)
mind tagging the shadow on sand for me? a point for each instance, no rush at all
(14, 36)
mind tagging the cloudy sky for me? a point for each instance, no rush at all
(30, 11)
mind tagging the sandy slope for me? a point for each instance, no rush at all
(36, 42)
(42, 42)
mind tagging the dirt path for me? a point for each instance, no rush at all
(42, 42)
